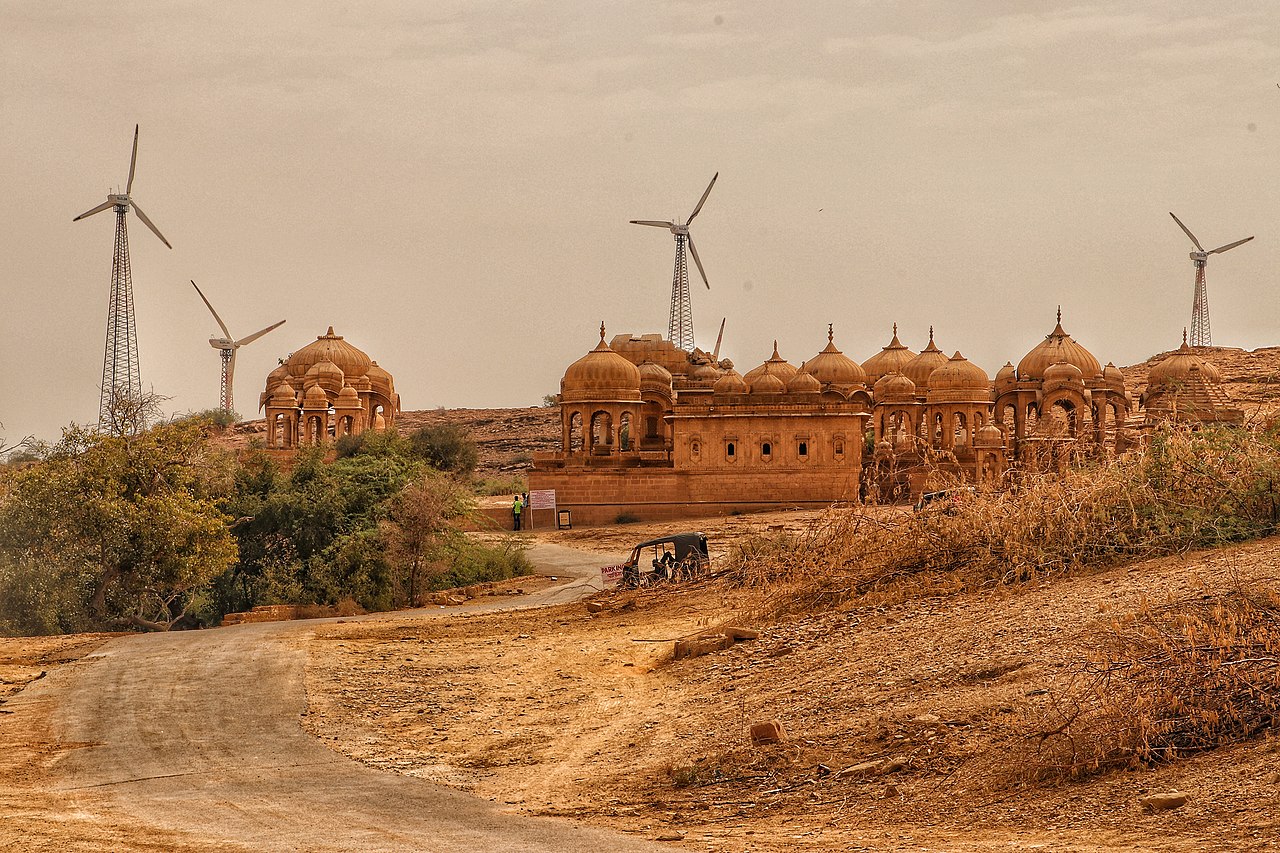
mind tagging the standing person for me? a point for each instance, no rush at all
(517, 508)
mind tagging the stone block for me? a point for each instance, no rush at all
(703, 644)
(771, 731)
(1164, 802)
(595, 606)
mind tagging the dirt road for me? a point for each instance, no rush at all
(194, 737)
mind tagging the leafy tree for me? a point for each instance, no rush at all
(446, 447)
(126, 524)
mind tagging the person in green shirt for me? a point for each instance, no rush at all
(517, 509)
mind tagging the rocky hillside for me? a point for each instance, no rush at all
(506, 438)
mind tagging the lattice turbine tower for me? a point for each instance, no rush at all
(680, 324)
(1200, 334)
(121, 377)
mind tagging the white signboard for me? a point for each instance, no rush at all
(542, 499)
(611, 574)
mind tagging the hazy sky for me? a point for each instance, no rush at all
(448, 183)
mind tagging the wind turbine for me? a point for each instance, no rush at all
(120, 374)
(1200, 336)
(226, 347)
(680, 326)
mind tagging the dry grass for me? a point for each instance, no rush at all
(1165, 683)
(1162, 683)
(1188, 490)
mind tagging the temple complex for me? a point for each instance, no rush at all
(651, 431)
(326, 390)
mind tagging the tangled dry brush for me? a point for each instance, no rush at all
(1162, 682)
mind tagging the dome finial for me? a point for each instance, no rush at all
(1184, 336)
(931, 334)
(895, 330)
(775, 348)
(602, 331)
(1059, 315)
(830, 333)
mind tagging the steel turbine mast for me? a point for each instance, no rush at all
(121, 378)
(226, 347)
(680, 325)
(1200, 334)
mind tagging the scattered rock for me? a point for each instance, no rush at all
(890, 792)
(1164, 802)
(859, 771)
(702, 644)
(596, 606)
(671, 836)
(771, 731)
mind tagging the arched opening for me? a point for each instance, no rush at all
(766, 450)
(1032, 419)
(959, 430)
(1070, 416)
(624, 432)
(730, 451)
(575, 432)
(601, 433)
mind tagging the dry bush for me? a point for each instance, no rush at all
(1170, 681)
(1189, 489)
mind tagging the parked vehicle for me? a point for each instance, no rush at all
(682, 556)
(946, 498)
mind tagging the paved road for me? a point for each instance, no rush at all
(198, 732)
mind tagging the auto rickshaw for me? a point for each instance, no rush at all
(683, 556)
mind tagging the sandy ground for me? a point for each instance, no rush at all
(561, 712)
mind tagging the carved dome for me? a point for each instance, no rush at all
(767, 383)
(803, 383)
(1063, 373)
(315, 398)
(1112, 375)
(890, 359)
(832, 367)
(332, 348)
(1178, 366)
(1006, 373)
(652, 374)
(704, 373)
(776, 366)
(327, 375)
(894, 386)
(960, 374)
(275, 377)
(380, 380)
(989, 435)
(348, 398)
(283, 396)
(731, 383)
(1057, 346)
(922, 366)
(601, 374)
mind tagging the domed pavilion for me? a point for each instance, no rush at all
(326, 390)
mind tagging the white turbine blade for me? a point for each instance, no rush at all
(703, 200)
(147, 222)
(715, 355)
(207, 304)
(1229, 246)
(257, 335)
(1188, 230)
(653, 222)
(133, 161)
(98, 209)
(693, 251)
